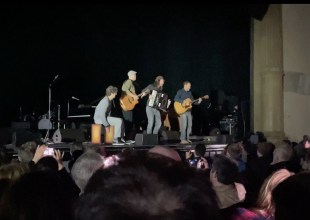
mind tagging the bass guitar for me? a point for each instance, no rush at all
(128, 102)
(180, 108)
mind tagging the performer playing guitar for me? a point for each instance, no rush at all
(182, 104)
(129, 92)
(128, 101)
(183, 107)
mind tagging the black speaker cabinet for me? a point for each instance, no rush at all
(68, 135)
(170, 135)
(146, 139)
(20, 125)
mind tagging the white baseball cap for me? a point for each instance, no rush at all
(131, 72)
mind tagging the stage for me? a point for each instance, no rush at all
(13, 138)
(214, 145)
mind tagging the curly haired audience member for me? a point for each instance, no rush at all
(26, 151)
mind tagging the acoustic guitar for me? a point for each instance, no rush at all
(180, 108)
(128, 103)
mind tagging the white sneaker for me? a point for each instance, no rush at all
(117, 143)
(130, 142)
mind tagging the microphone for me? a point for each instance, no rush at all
(75, 98)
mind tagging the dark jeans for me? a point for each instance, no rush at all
(128, 119)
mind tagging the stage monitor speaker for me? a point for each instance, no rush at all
(20, 125)
(170, 135)
(68, 135)
(5, 136)
(146, 139)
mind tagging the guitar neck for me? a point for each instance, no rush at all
(203, 97)
(196, 100)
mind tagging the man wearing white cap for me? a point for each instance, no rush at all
(128, 89)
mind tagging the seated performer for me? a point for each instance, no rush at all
(186, 118)
(153, 112)
(102, 116)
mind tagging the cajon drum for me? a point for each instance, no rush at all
(96, 133)
(109, 137)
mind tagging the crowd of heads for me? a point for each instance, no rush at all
(156, 184)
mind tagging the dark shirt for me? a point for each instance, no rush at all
(258, 169)
(292, 166)
(182, 95)
(151, 87)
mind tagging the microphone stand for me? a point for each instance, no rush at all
(68, 113)
(49, 109)
(58, 124)
(68, 110)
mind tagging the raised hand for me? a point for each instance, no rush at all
(58, 157)
(39, 153)
(136, 97)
